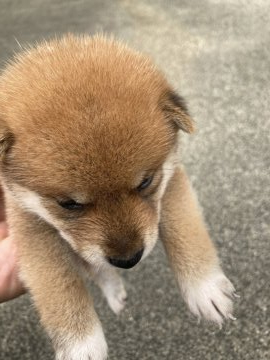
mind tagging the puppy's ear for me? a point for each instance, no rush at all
(175, 110)
(6, 139)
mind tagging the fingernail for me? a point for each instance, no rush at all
(3, 230)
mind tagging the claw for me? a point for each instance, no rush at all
(217, 309)
(229, 295)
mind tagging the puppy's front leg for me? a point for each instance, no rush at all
(49, 270)
(191, 252)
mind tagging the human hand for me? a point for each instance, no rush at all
(10, 285)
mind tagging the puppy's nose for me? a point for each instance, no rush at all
(127, 264)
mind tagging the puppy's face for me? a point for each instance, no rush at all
(88, 144)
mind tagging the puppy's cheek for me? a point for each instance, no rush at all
(168, 170)
(30, 201)
(94, 255)
(91, 253)
(69, 239)
(33, 203)
(150, 240)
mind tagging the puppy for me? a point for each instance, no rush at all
(89, 139)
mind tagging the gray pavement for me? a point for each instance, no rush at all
(217, 53)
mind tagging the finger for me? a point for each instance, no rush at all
(10, 285)
(3, 230)
(2, 206)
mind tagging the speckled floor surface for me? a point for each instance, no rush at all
(217, 53)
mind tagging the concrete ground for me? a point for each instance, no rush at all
(217, 53)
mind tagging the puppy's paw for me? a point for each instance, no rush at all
(93, 347)
(113, 288)
(210, 298)
(116, 295)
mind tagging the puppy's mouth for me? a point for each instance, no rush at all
(126, 263)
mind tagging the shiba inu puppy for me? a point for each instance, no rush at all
(89, 134)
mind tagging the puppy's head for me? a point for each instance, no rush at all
(87, 142)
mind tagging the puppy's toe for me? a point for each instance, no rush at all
(117, 298)
(210, 298)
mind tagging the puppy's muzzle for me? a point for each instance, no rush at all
(127, 264)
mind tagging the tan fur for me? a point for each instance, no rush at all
(183, 230)
(88, 119)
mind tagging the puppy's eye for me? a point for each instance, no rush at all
(145, 183)
(71, 205)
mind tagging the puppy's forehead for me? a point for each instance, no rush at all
(112, 152)
(88, 151)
